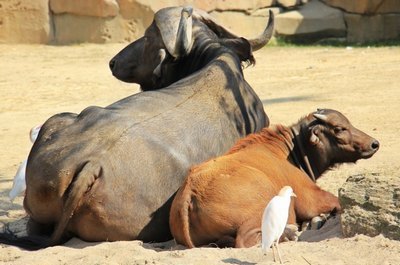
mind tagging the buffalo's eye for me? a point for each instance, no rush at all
(338, 130)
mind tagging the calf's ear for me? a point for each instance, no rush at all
(314, 139)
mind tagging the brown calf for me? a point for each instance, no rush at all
(223, 198)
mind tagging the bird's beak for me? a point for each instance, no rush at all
(293, 195)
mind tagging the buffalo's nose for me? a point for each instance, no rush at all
(375, 144)
(112, 64)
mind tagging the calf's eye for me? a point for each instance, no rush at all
(338, 130)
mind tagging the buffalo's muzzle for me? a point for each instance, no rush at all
(112, 64)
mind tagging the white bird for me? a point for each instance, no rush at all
(33, 134)
(19, 184)
(275, 219)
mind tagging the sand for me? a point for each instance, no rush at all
(363, 83)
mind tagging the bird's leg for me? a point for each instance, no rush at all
(279, 253)
(273, 251)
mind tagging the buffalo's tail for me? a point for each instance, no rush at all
(25, 242)
(81, 184)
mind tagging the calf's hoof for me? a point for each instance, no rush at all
(316, 222)
(290, 233)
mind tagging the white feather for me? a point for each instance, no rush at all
(275, 218)
(34, 132)
(19, 184)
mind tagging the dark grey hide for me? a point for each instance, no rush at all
(111, 173)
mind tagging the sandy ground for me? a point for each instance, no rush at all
(363, 83)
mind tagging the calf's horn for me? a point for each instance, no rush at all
(321, 117)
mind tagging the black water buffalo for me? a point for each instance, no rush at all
(161, 58)
(111, 173)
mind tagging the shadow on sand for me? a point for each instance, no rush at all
(286, 99)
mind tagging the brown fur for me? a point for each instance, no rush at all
(225, 197)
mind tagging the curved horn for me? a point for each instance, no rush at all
(263, 39)
(321, 117)
(222, 32)
(184, 34)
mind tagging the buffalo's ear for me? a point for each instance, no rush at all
(175, 25)
(241, 47)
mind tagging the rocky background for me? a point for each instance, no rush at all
(371, 204)
(103, 21)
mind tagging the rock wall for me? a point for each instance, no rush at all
(100, 21)
(25, 21)
(371, 206)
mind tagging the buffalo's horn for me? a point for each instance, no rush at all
(184, 34)
(223, 32)
(321, 117)
(161, 54)
(263, 39)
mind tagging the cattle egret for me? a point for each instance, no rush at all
(19, 184)
(35, 132)
(274, 220)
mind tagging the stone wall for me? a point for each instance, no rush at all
(101, 21)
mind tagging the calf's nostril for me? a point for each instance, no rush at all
(375, 144)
